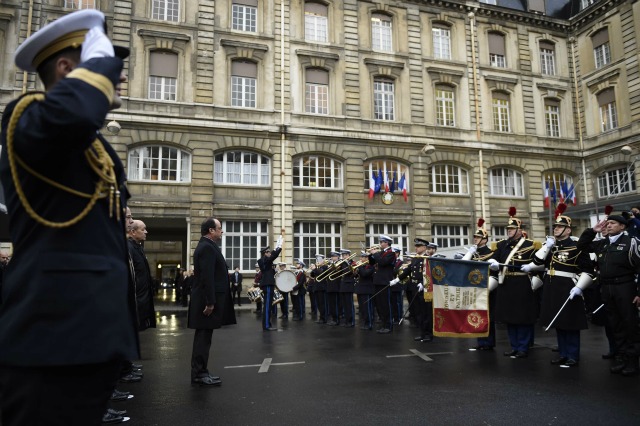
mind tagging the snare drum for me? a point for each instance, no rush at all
(285, 281)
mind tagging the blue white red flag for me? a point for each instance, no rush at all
(460, 297)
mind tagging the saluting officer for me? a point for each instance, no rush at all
(268, 282)
(516, 304)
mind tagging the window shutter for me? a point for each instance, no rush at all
(163, 64)
(244, 69)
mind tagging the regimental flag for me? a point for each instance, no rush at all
(460, 297)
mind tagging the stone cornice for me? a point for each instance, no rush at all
(243, 49)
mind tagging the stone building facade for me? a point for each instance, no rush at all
(276, 116)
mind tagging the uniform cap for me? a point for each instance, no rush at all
(385, 238)
(420, 242)
(262, 250)
(513, 222)
(334, 253)
(481, 232)
(345, 251)
(563, 220)
(300, 262)
(618, 218)
(396, 248)
(432, 245)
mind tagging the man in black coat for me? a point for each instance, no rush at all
(268, 282)
(67, 311)
(210, 306)
(142, 275)
(236, 285)
(384, 261)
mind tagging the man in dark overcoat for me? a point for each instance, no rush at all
(210, 306)
(142, 276)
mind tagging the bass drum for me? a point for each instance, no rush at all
(285, 281)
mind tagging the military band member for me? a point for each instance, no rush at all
(365, 289)
(284, 305)
(397, 311)
(333, 293)
(568, 271)
(321, 288)
(256, 283)
(516, 305)
(618, 257)
(384, 260)
(481, 252)
(311, 289)
(299, 291)
(268, 282)
(424, 309)
(347, 283)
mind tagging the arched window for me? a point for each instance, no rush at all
(617, 181)
(159, 163)
(558, 188)
(505, 183)
(242, 168)
(316, 22)
(449, 179)
(315, 171)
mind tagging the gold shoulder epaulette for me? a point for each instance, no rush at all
(494, 246)
(537, 245)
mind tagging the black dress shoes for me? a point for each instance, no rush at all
(520, 354)
(270, 329)
(383, 331)
(109, 418)
(116, 412)
(206, 381)
(481, 348)
(365, 327)
(418, 339)
(117, 395)
(559, 361)
(510, 353)
(130, 378)
(570, 363)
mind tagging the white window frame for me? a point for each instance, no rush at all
(449, 179)
(384, 99)
(381, 34)
(242, 241)
(552, 120)
(141, 166)
(586, 3)
(316, 28)
(162, 88)
(227, 171)
(166, 10)
(547, 61)
(334, 170)
(617, 181)
(399, 233)
(80, 4)
(501, 115)
(450, 236)
(441, 42)
(494, 2)
(316, 98)
(505, 182)
(244, 18)
(445, 107)
(498, 233)
(243, 91)
(608, 117)
(386, 166)
(311, 238)
(498, 61)
(602, 54)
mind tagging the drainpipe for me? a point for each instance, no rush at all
(476, 101)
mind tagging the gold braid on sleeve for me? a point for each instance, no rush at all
(97, 157)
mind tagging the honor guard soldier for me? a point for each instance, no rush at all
(299, 291)
(516, 304)
(618, 257)
(347, 283)
(568, 271)
(333, 292)
(321, 287)
(67, 318)
(424, 309)
(364, 290)
(384, 261)
(268, 282)
(480, 252)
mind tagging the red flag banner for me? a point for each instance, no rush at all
(460, 297)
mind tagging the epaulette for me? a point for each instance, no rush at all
(536, 244)
(494, 245)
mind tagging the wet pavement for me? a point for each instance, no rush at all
(308, 374)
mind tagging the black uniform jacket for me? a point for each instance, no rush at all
(143, 286)
(210, 287)
(385, 262)
(365, 279)
(266, 267)
(66, 294)
(415, 272)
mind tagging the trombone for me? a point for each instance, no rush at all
(332, 268)
(326, 272)
(352, 268)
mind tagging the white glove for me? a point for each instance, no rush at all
(525, 268)
(279, 242)
(494, 265)
(96, 44)
(575, 291)
(550, 242)
(420, 287)
(394, 282)
(473, 249)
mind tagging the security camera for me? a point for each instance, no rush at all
(428, 149)
(114, 127)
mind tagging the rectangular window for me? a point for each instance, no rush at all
(163, 73)
(447, 236)
(552, 118)
(80, 4)
(317, 98)
(165, 10)
(381, 33)
(608, 113)
(602, 54)
(506, 183)
(547, 58)
(497, 51)
(243, 91)
(399, 233)
(162, 88)
(501, 113)
(617, 181)
(449, 179)
(383, 100)
(445, 108)
(586, 3)
(311, 238)
(244, 17)
(316, 22)
(441, 43)
(498, 233)
(242, 241)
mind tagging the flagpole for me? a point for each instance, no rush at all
(550, 203)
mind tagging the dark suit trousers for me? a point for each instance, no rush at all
(57, 396)
(383, 305)
(200, 353)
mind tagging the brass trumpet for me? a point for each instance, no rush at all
(373, 247)
(341, 273)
